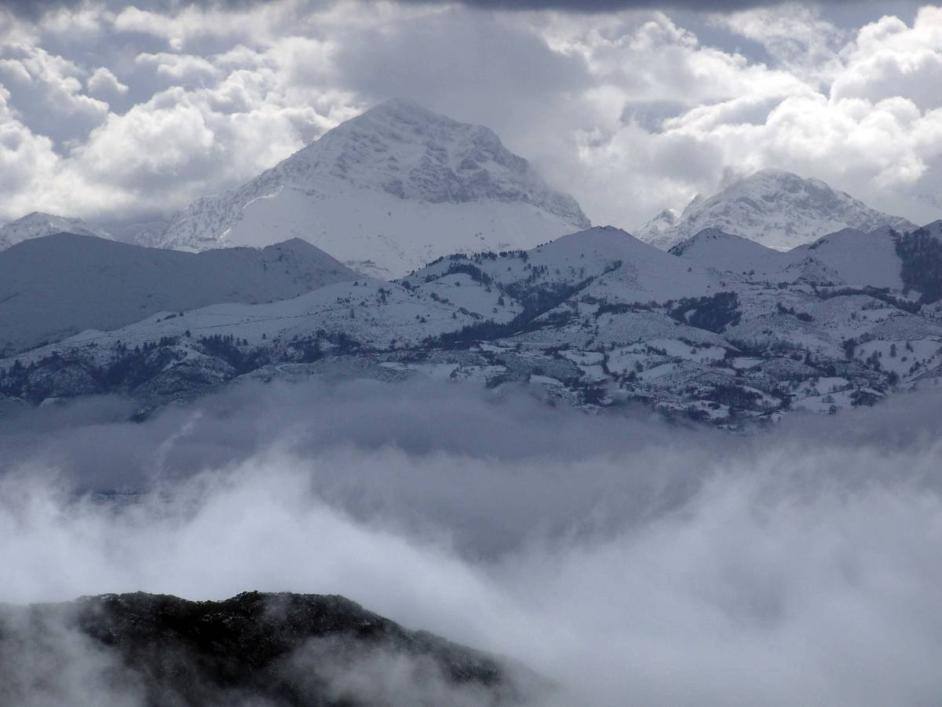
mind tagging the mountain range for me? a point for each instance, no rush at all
(720, 329)
(731, 325)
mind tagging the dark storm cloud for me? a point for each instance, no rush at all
(590, 6)
(36, 8)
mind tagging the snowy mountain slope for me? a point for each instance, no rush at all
(55, 286)
(37, 225)
(724, 252)
(372, 313)
(386, 192)
(612, 264)
(848, 257)
(596, 319)
(775, 208)
(859, 258)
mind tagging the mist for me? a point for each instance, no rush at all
(623, 558)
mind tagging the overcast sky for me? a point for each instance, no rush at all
(125, 110)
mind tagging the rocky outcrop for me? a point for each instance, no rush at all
(268, 649)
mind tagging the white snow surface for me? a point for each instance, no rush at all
(775, 208)
(385, 193)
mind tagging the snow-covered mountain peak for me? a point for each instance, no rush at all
(387, 192)
(776, 208)
(38, 224)
(413, 153)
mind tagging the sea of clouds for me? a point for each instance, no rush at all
(625, 559)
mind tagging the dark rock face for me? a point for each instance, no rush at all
(252, 649)
(921, 255)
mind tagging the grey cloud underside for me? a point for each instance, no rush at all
(36, 8)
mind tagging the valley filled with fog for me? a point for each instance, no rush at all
(620, 557)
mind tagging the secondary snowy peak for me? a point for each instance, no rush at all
(387, 192)
(665, 222)
(778, 209)
(37, 225)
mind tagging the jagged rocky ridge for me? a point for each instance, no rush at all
(260, 649)
(775, 208)
(722, 329)
(385, 193)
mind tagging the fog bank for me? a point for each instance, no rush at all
(629, 560)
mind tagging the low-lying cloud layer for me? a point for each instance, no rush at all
(632, 110)
(626, 559)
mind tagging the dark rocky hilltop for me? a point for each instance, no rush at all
(252, 649)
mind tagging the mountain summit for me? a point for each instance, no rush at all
(387, 192)
(778, 209)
